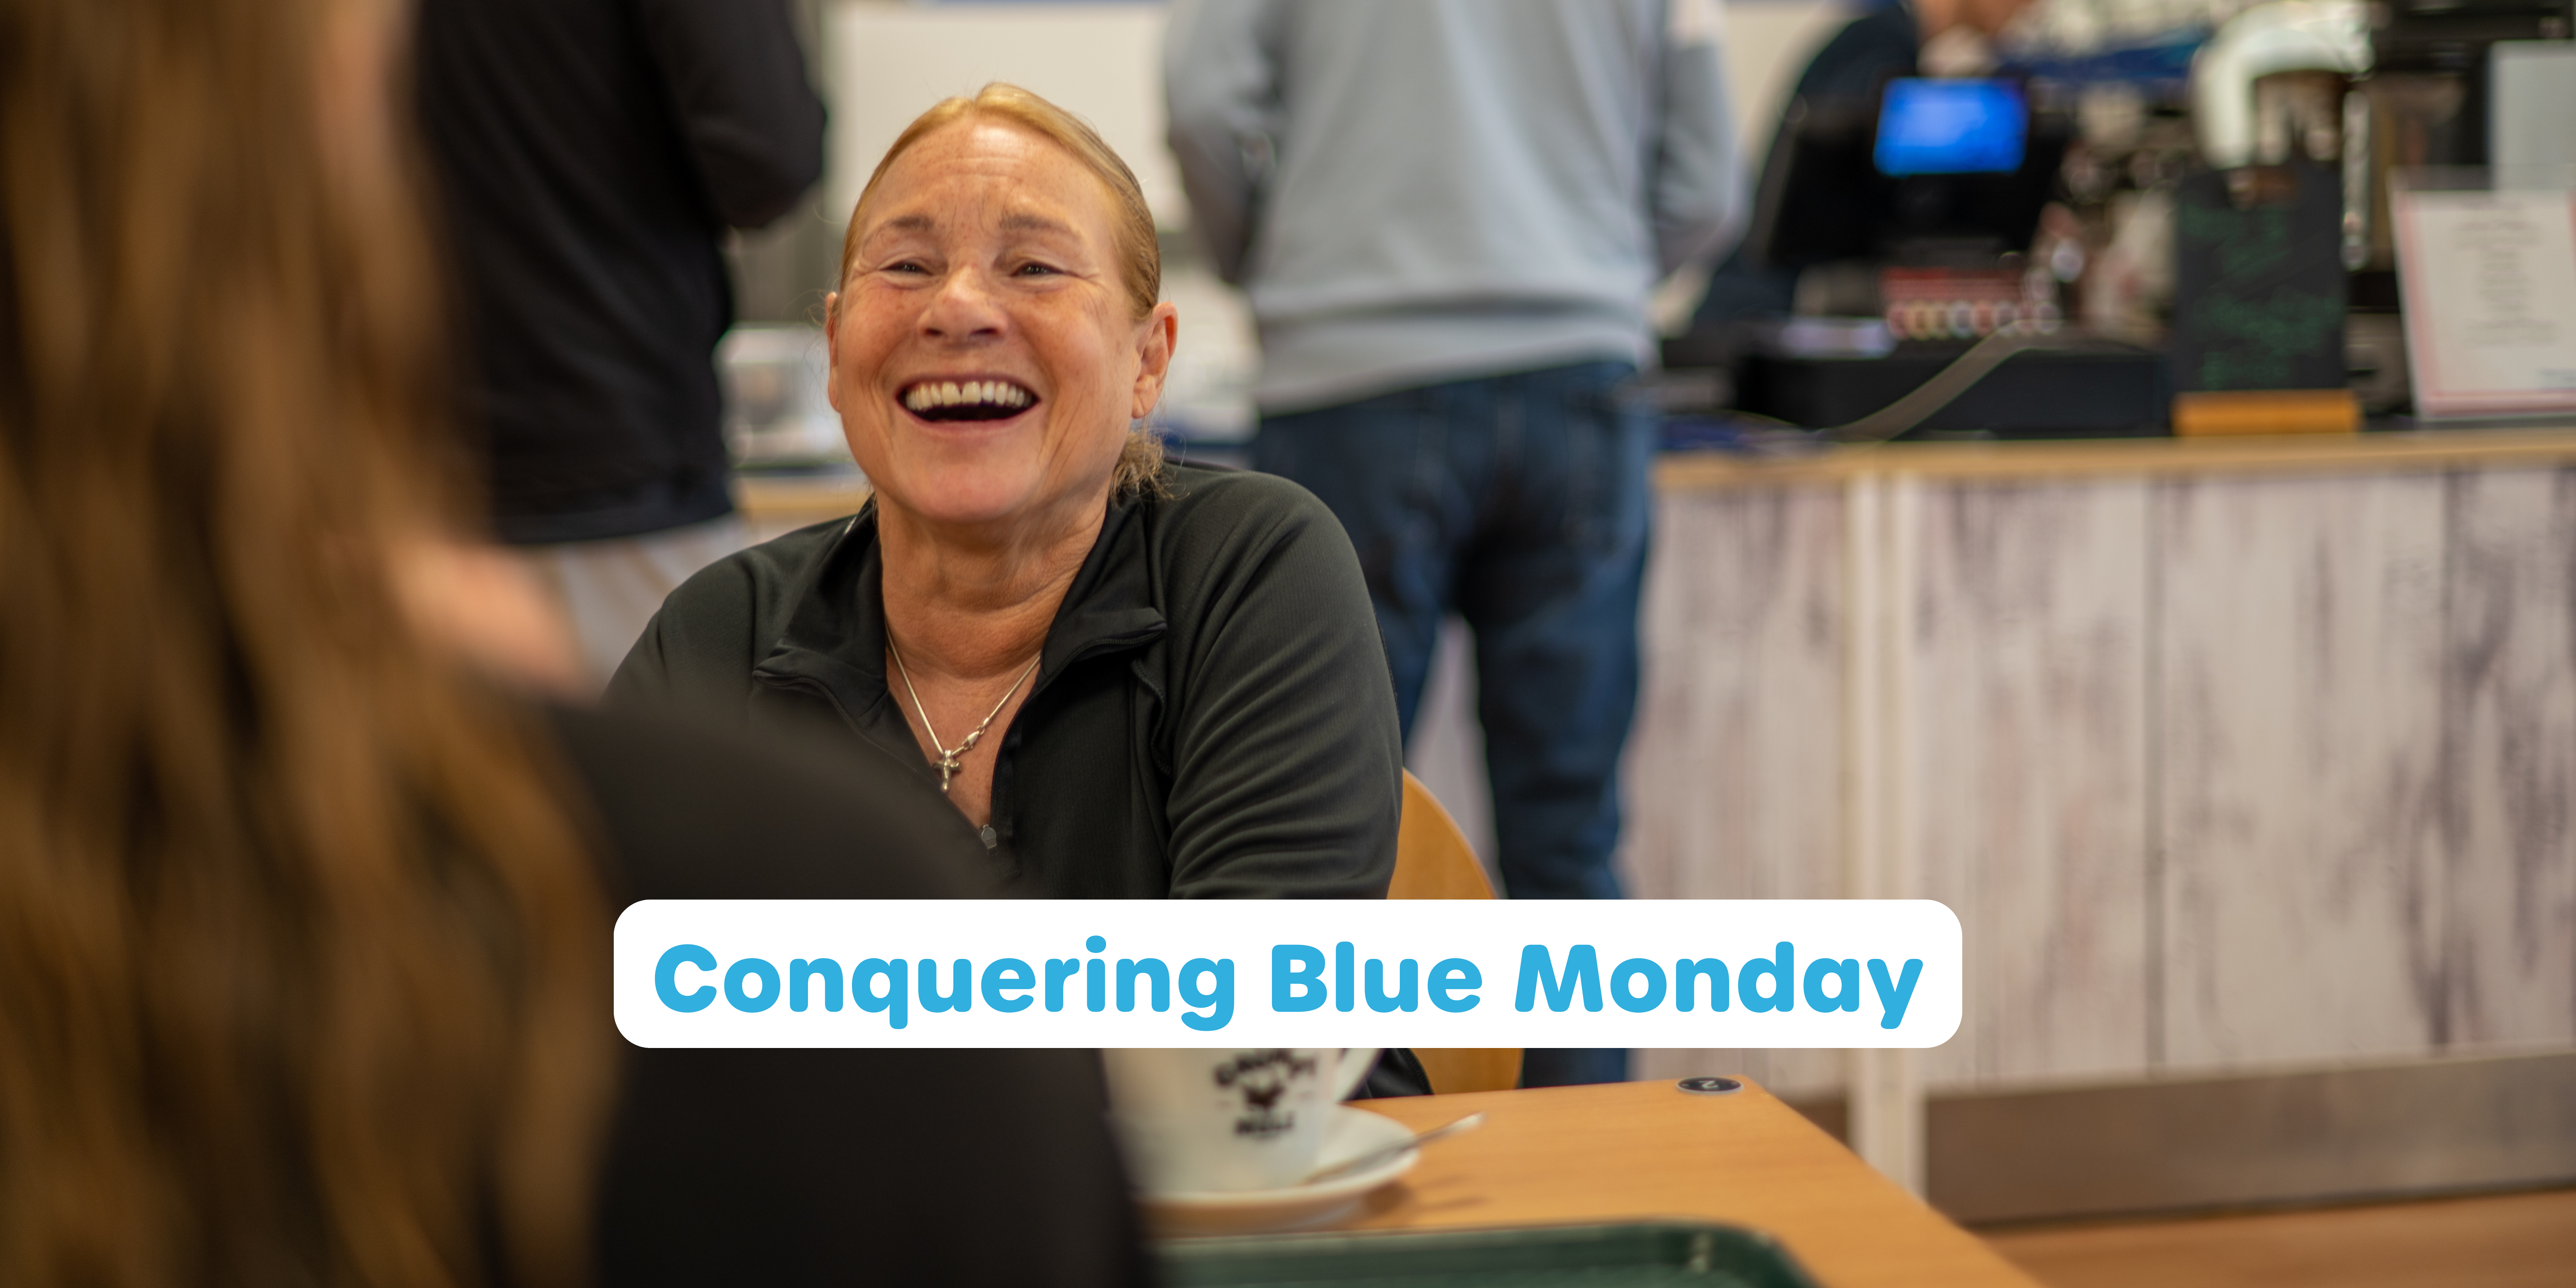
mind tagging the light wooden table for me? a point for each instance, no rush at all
(1637, 1150)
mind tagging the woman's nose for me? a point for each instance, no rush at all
(963, 307)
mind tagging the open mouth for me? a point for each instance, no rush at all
(947, 400)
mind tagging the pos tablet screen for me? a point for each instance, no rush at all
(1951, 127)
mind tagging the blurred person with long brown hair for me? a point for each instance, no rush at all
(304, 901)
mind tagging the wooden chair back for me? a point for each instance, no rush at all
(1434, 861)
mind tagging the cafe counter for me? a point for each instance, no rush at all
(2248, 765)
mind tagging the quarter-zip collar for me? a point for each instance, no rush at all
(835, 640)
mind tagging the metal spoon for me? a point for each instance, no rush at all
(1376, 1156)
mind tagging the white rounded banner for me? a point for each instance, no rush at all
(1288, 973)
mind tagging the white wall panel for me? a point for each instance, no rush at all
(2306, 901)
(2028, 637)
(1734, 774)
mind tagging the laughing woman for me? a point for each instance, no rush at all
(1135, 679)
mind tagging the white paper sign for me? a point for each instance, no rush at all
(2490, 289)
(1288, 973)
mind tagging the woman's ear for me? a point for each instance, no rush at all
(1154, 345)
(832, 348)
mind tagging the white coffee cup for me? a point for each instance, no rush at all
(1196, 1121)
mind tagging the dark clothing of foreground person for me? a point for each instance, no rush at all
(590, 154)
(810, 1166)
(1210, 717)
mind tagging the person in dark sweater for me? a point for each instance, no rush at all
(1885, 42)
(1870, 50)
(590, 155)
(305, 910)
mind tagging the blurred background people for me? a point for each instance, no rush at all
(591, 154)
(1449, 217)
(304, 903)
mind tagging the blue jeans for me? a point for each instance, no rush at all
(1519, 502)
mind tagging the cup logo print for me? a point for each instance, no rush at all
(1263, 1078)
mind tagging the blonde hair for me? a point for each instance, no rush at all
(303, 957)
(1140, 255)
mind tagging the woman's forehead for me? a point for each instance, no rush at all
(984, 175)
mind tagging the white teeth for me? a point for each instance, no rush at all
(949, 393)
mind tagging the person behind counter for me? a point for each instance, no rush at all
(1136, 679)
(304, 921)
(1892, 39)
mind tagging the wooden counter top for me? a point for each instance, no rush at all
(2290, 454)
(775, 503)
(1640, 1150)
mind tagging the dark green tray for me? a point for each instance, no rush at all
(1592, 1256)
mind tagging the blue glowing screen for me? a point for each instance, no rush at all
(1951, 127)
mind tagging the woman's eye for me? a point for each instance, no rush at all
(907, 266)
(1034, 270)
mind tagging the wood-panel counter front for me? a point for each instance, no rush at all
(2237, 759)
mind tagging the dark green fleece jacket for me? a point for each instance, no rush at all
(1212, 716)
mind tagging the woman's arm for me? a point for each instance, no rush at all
(480, 604)
(1287, 774)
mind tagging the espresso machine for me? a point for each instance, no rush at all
(2302, 109)
(2431, 77)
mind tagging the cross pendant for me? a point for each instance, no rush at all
(948, 768)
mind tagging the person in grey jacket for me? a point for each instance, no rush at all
(1449, 216)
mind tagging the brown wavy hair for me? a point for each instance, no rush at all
(1140, 254)
(302, 960)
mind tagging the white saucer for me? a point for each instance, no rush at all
(1349, 1134)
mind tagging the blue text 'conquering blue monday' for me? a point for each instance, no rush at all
(1272, 973)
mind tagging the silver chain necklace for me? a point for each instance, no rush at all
(948, 756)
